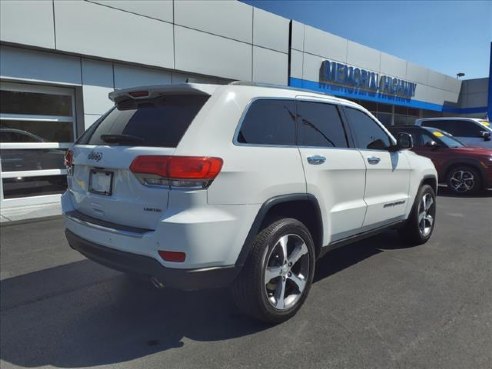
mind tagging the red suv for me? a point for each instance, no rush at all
(464, 169)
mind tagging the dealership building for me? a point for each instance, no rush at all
(60, 59)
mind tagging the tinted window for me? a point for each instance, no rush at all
(460, 128)
(368, 134)
(269, 122)
(33, 103)
(320, 125)
(158, 122)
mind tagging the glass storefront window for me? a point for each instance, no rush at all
(37, 125)
(35, 131)
(33, 186)
(34, 103)
(14, 160)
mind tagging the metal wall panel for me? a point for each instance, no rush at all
(97, 83)
(393, 66)
(231, 19)
(270, 31)
(298, 30)
(436, 79)
(89, 119)
(325, 44)
(311, 67)
(96, 30)
(203, 53)
(269, 66)
(162, 10)
(416, 73)
(363, 56)
(126, 76)
(17, 23)
(296, 61)
(39, 66)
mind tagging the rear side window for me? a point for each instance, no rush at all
(269, 122)
(320, 125)
(160, 122)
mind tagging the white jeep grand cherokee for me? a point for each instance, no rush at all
(198, 186)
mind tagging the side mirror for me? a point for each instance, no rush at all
(404, 141)
(485, 135)
(432, 144)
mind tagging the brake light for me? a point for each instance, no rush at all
(68, 160)
(174, 256)
(139, 94)
(176, 171)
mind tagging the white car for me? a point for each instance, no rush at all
(198, 186)
(470, 131)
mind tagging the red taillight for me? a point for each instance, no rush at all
(178, 167)
(68, 161)
(174, 256)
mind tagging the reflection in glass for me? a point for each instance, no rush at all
(33, 186)
(31, 159)
(32, 131)
(32, 103)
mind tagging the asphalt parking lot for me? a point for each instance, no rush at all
(374, 304)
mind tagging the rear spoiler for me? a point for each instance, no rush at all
(149, 92)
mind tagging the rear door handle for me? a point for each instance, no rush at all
(316, 159)
(373, 160)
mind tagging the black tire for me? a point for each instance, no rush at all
(464, 180)
(251, 292)
(420, 224)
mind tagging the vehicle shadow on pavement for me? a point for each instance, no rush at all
(83, 315)
(344, 257)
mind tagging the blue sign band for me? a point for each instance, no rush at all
(354, 93)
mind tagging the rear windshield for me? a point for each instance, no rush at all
(160, 122)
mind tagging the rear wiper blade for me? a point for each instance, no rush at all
(122, 139)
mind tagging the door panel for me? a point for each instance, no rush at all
(338, 184)
(335, 173)
(387, 186)
(388, 172)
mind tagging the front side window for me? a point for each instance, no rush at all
(269, 122)
(368, 134)
(320, 125)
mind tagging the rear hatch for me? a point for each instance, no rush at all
(142, 123)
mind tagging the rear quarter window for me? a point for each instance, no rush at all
(159, 122)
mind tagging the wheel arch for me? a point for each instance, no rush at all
(431, 181)
(303, 207)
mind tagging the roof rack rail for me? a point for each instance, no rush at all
(270, 85)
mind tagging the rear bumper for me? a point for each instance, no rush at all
(145, 266)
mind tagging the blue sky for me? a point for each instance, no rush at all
(447, 36)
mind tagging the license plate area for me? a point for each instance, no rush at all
(101, 182)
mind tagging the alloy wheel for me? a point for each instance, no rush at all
(427, 210)
(462, 181)
(286, 272)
